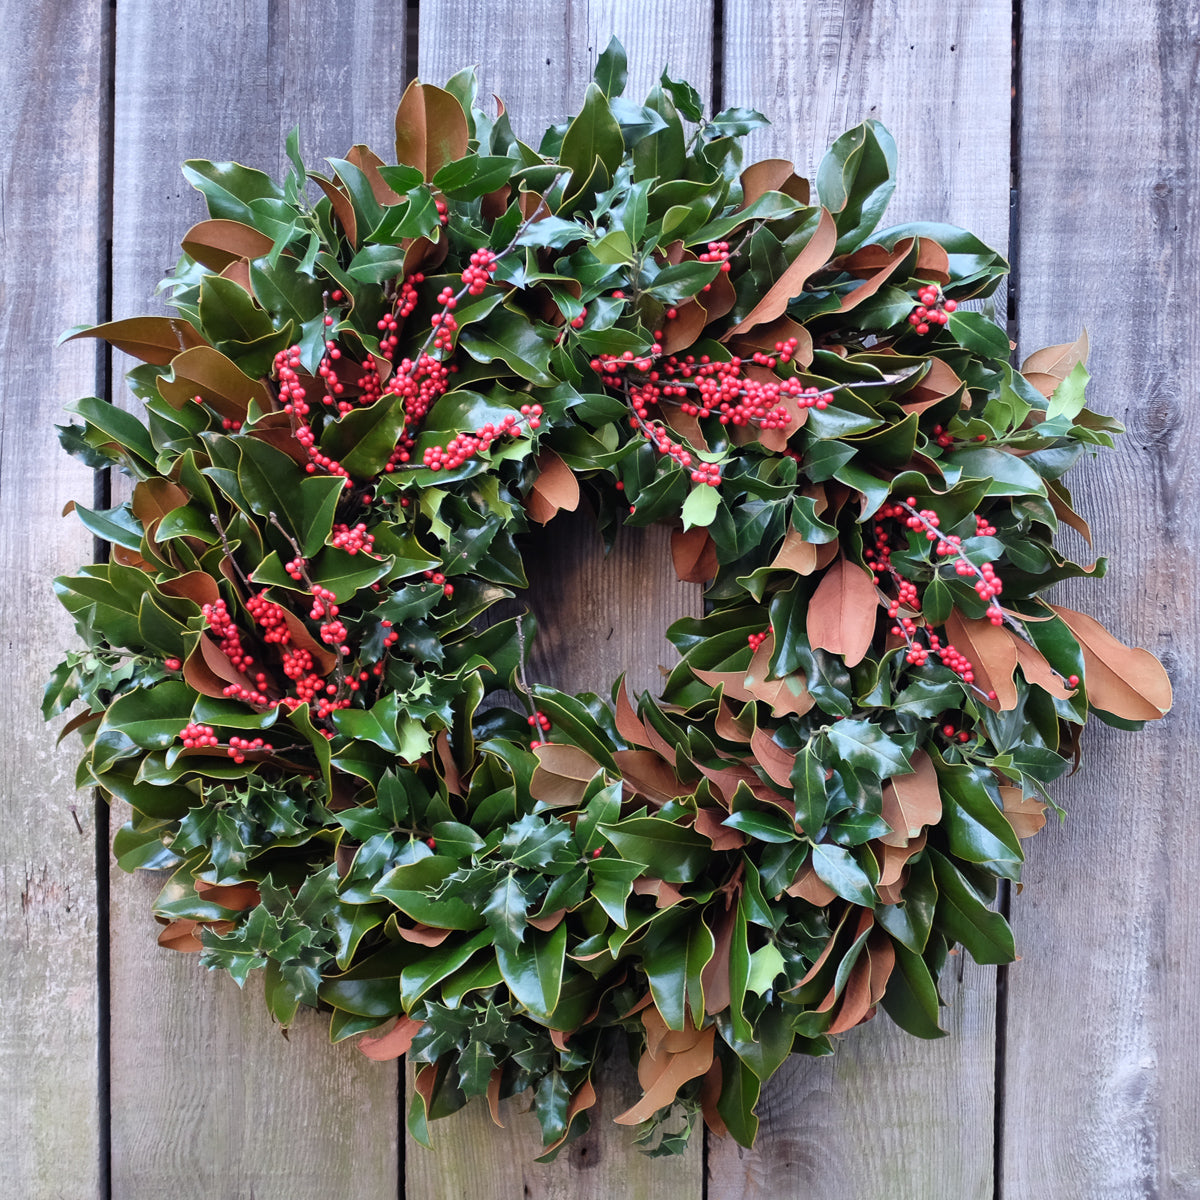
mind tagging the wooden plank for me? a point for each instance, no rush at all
(889, 1115)
(207, 1098)
(1106, 926)
(50, 196)
(598, 617)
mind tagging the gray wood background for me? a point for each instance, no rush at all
(1072, 1075)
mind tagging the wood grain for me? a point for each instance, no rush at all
(886, 1115)
(598, 617)
(1105, 994)
(51, 141)
(207, 1098)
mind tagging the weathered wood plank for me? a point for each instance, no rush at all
(1105, 991)
(50, 199)
(888, 1114)
(208, 1098)
(598, 617)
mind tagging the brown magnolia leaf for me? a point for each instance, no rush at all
(719, 297)
(647, 774)
(731, 681)
(78, 721)
(153, 498)
(1127, 681)
(932, 261)
(842, 611)
(883, 273)
(767, 175)
(694, 554)
(1037, 670)
(710, 1094)
(555, 488)
(795, 554)
(550, 920)
(343, 209)
(1026, 814)
(708, 824)
(368, 162)
(892, 893)
(493, 205)
(658, 743)
(629, 724)
(154, 340)
(667, 1073)
(423, 935)
(237, 897)
(1065, 513)
(239, 272)
(283, 440)
(665, 894)
(787, 695)
(431, 129)
(687, 426)
(772, 757)
(131, 558)
(764, 337)
(1057, 361)
(882, 953)
(730, 727)
(215, 244)
(808, 886)
(208, 669)
(183, 934)
(933, 387)
(827, 950)
(856, 997)
(714, 976)
(681, 330)
(992, 654)
(791, 283)
(893, 858)
(206, 372)
(562, 774)
(396, 1041)
(493, 1095)
(912, 801)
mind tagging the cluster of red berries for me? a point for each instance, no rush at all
(478, 273)
(324, 603)
(239, 745)
(222, 624)
(352, 539)
(907, 597)
(466, 445)
(438, 578)
(196, 736)
(756, 639)
(539, 723)
(271, 617)
(933, 309)
(960, 735)
(716, 252)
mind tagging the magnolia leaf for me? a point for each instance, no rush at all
(1123, 680)
(554, 488)
(843, 611)
(910, 802)
(992, 654)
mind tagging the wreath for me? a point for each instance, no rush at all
(376, 382)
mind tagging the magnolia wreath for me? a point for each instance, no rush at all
(376, 382)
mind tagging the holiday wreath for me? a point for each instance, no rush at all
(367, 395)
